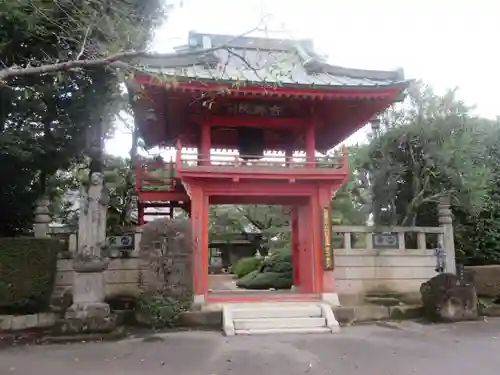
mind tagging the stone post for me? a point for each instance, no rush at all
(447, 238)
(42, 218)
(89, 312)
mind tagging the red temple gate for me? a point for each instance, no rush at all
(255, 95)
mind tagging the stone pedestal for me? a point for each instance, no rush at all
(89, 289)
(89, 312)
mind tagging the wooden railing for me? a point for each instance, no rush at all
(155, 176)
(269, 160)
(158, 175)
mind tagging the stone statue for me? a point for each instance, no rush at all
(89, 312)
(92, 222)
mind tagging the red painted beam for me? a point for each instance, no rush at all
(254, 199)
(254, 121)
(256, 173)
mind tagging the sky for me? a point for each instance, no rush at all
(446, 43)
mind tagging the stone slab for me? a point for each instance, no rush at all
(22, 322)
(70, 326)
(493, 310)
(212, 319)
(405, 312)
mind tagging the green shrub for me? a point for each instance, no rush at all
(27, 272)
(266, 280)
(246, 265)
(246, 278)
(278, 261)
(275, 272)
(158, 310)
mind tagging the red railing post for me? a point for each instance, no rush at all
(178, 156)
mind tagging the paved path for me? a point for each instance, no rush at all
(466, 348)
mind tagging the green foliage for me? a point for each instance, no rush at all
(275, 272)
(27, 271)
(162, 310)
(266, 280)
(278, 261)
(246, 265)
(429, 147)
(271, 222)
(49, 122)
(477, 235)
(351, 204)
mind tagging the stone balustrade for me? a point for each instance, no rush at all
(363, 267)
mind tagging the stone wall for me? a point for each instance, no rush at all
(361, 269)
(123, 276)
(486, 279)
(361, 272)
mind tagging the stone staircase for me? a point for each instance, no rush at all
(282, 317)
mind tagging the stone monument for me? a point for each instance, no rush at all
(447, 241)
(89, 312)
(42, 218)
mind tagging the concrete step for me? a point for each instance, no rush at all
(271, 323)
(312, 311)
(283, 330)
(299, 317)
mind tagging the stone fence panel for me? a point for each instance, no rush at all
(363, 267)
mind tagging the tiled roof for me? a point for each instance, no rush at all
(273, 61)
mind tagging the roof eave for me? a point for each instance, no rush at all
(316, 66)
(403, 84)
(176, 61)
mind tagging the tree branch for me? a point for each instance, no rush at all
(84, 43)
(17, 72)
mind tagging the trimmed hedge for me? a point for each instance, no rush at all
(266, 280)
(246, 265)
(279, 261)
(275, 272)
(27, 272)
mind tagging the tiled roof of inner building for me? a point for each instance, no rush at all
(274, 61)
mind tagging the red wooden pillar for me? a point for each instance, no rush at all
(316, 256)
(310, 145)
(295, 247)
(205, 144)
(328, 292)
(311, 245)
(306, 271)
(140, 213)
(199, 223)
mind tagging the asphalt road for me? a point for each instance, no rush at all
(407, 348)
